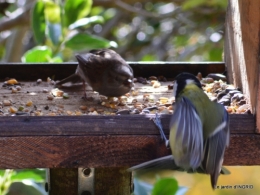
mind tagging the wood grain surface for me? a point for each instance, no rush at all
(106, 151)
(102, 125)
(242, 40)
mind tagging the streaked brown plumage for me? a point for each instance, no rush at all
(105, 71)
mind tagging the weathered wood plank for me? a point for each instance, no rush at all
(101, 125)
(106, 151)
(34, 92)
(78, 151)
(243, 150)
(242, 28)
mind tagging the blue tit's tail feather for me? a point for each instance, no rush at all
(162, 163)
(167, 163)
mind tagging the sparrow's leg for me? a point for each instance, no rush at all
(157, 122)
(85, 97)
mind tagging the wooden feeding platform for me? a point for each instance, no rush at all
(72, 145)
(108, 143)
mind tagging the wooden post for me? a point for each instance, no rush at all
(110, 181)
(242, 33)
(113, 181)
(63, 181)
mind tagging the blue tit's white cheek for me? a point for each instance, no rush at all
(189, 81)
(175, 86)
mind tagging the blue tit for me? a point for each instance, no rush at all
(199, 132)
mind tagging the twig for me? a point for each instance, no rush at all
(143, 12)
(19, 17)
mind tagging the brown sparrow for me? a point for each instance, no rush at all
(105, 71)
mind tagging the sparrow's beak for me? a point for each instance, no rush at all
(83, 58)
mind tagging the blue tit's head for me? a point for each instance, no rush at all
(182, 80)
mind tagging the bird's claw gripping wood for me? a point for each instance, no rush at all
(157, 122)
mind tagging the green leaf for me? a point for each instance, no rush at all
(76, 9)
(97, 10)
(215, 54)
(189, 4)
(38, 22)
(181, 40)
(165, 186)
(148, 57)
(83, 41)
(32, 174)
(56, 59)
(52, 11)
(83, 22)
(2, 172)
(37, 54)
(54, 32)
(109, 13)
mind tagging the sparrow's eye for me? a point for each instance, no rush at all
(117, 78)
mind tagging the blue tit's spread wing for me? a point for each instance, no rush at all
(215, 147)
(186, 135)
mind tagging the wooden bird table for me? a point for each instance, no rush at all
(71, 146)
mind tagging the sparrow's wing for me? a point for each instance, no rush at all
(215, 147)
(107, 54)
(99, 59)
(88, 61)
(186, 135)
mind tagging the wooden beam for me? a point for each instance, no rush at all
(102, 125)
(145, 69)
(104, 141)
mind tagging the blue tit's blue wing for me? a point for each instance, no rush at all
(186, 135)
(215, 147)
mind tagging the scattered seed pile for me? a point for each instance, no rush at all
(153, 94)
